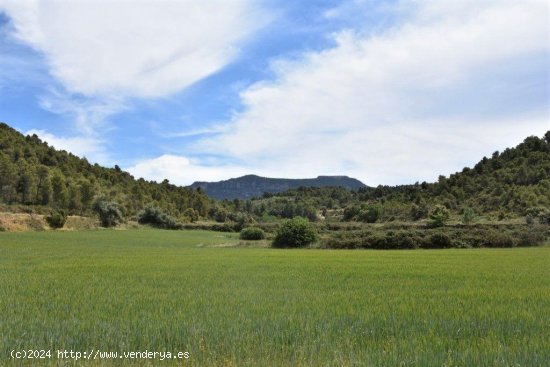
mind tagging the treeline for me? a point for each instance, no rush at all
(35, 174)
(510, 184)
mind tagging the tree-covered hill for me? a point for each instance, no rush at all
(511, 183)
(33, 173)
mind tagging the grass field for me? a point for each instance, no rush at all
(176, 291)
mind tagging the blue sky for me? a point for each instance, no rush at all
(389, 92)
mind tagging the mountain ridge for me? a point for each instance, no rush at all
(250, 186)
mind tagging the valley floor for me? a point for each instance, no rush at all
(192, 291)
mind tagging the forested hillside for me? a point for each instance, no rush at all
(33, 173)
(511, 183)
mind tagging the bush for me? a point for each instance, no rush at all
(544, 216)
(438, 216)
(224, 227)
(252, 233)
(418, 212)
(439, 240)
(157, 218)
(468, 216)
(296, 232)
(369, 214)
(403, 240)
(57, 220)
(531, 238)
(500, 240)
(191, 215)
(108, 211)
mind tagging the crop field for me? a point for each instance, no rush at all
(192, 291)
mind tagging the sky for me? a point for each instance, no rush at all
(389, 92)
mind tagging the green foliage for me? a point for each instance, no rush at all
(468, 216)
(369, 214)
(419, 211)
(157, 218)
(33, 173)
(252, 233)
(191, 215)
(296, 232)
(410, 237)
(540, 213)
(438, 216)
(505, 185)
(439, 240)
(57, 219)
(108, 211)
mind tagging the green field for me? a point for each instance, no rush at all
(155, 290)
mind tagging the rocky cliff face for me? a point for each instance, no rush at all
(250, 186)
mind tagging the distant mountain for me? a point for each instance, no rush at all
(250, 186)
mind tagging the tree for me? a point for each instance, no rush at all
(59, 191)
(8, 179)
(26, 185)
(74, 198)
(296, 232)
(108, 211)
(44, 186)
(86, 193)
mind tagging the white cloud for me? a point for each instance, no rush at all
(181, 170)
(408, 103)
(104, 53)
(89, 147)
(142, 49)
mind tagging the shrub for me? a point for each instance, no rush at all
(351, 212)
(191, 215)
(544, 216)
(57, 219)
(369, 214)
(224, 227)
(468, 216)
(418, 212)
(438, 216)
(500, 240)
(375, 241)
(252, 233)
(530, 238)
(439, 240)
(157, 218)
(296, 232)
(108, 211)
(403, 240)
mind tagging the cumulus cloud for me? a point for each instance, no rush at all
(451, 81)
(181, 170)
(140, 49)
